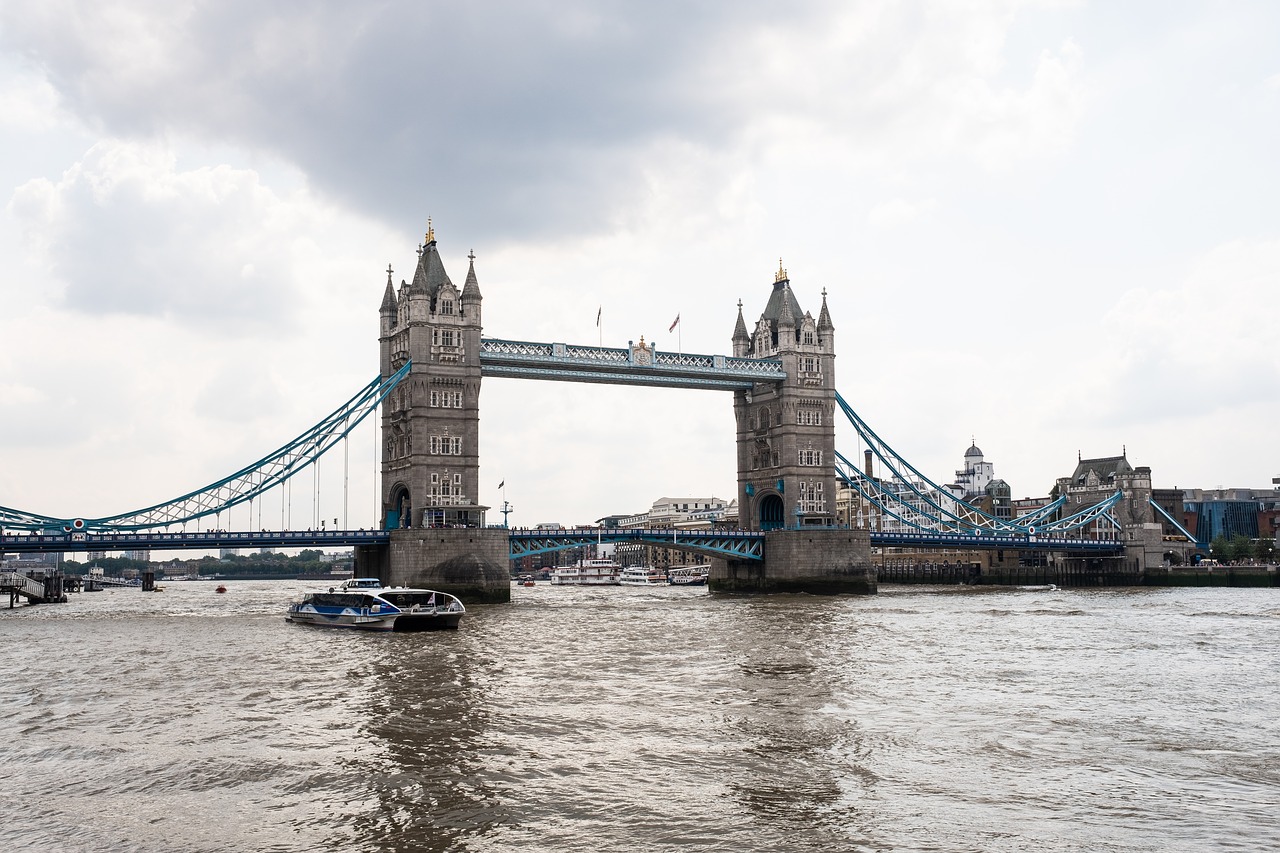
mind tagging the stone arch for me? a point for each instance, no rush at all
(772, 512)
(400, 511)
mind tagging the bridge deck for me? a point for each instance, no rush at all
(624, 366)
(734, 544)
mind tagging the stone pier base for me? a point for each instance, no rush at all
(470, 563)
(820, 562)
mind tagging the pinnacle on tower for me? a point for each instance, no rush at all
(389, 297)
(471, 289)
(824, 316)
(740, 328)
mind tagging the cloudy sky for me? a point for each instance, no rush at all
(1050, 227)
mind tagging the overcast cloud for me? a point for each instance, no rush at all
(1047, 226)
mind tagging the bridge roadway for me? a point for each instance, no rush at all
(731, 544)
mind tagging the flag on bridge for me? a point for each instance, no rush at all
(674, 323)
(503, 483)
(598, 312)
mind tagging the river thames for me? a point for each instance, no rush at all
(635, 719)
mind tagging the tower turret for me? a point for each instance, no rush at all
(786, 430)
(826, 331)
(741, 340)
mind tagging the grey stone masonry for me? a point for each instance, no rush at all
(471, 564)
(818, 562)
(431, 440)
(786, 430)
(431, 421)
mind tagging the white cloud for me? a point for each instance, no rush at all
(900, 211)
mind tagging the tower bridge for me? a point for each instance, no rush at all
(781, 377)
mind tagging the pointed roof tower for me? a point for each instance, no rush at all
(389, 296)
(786, 315)
(430, 273)
(781, 293)
(740, 328)
(471, 289)
(824, 316)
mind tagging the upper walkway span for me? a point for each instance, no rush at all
(639, 364)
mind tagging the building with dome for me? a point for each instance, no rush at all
(972, 480)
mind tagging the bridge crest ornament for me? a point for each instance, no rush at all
(641, 354)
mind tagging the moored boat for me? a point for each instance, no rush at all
(642, 576)
(365, 604)
(587, 573)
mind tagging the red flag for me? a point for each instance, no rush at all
(674, 323)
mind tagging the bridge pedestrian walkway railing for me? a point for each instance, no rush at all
(207, 539)
(624, 365)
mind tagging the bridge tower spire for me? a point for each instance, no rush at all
(786, 459)
(430, 422)
(430, 439)
(786, 430)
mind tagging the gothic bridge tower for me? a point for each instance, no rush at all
(786, 430)
(431, 437)
(786, 459)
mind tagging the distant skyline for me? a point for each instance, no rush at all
(1047, 227)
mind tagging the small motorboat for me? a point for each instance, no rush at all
(220, 588)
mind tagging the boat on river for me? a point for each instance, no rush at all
(365, 604)
(587, 573)
(642, 576)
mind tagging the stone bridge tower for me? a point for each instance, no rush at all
(786, 430)
(431, 421)
(430, 439)
(786, 459)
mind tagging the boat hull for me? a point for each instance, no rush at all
(428, 621)
(356, 621)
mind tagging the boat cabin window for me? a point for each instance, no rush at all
(340, 599)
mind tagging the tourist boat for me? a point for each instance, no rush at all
(688, 575)
(365, 604)
(641, 576)
(586, 573)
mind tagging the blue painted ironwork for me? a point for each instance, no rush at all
(624, 365)
(911, 498)
(244, 485)
(978, 541)
(35, 543)
(1172, 520)
(732, 544)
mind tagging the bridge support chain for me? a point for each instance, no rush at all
(819, 562)
(470, 563)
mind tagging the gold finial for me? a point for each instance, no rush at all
(782, 274)
(431, 232)
(642, 342)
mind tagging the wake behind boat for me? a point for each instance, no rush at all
(365, 604)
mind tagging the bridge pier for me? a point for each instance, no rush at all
(470, 563)
(819, 562)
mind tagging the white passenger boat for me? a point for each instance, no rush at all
(587, 573)
(365, 604)
(642, 576)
